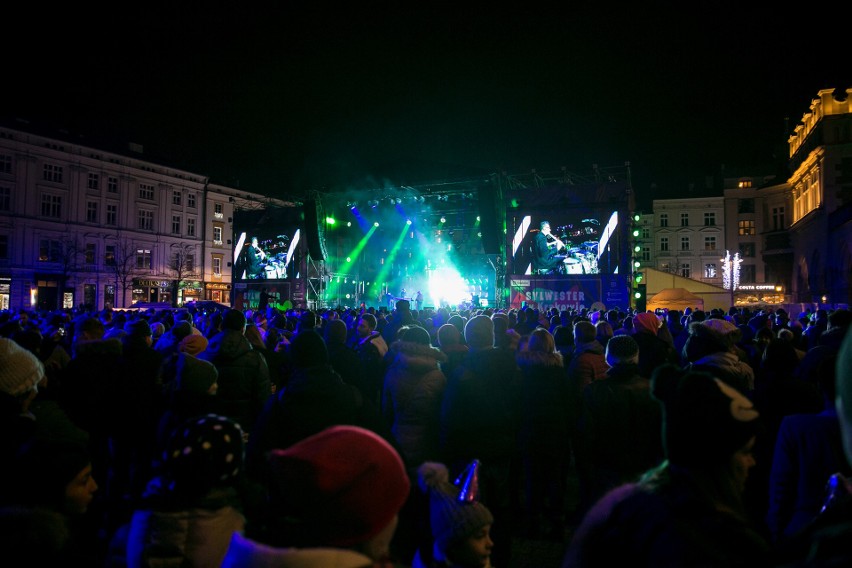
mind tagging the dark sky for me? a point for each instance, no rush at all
(324, 97)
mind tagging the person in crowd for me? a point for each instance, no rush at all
(315, 398)
(194, 503)
(653, 350)
(619, 429)
(604, 332)
(710, 348)
(244, 383)
(808, 450)
(480, 419)
(544, 430)
(451, 343)
(401, 316)
(688, 511)
(827, 346)
(334, 500)
(825, 540)
(191, 393)
(459, 524)
(412, 393)
(90, 396)
(371, 348)
(55, 475)
(134, 433)
(344, 359)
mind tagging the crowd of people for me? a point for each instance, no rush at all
(427, 438)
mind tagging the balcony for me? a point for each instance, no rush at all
(218, 243)
(776, 242)
(218, 215)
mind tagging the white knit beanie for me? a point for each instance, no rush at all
(20, 370)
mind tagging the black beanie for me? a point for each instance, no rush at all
(307, 349)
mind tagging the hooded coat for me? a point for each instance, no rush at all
(244, 382)
(411, 399)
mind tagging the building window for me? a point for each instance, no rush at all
(747, 250)
(176, 197)
(217, 266)
(684, 219)
(664, 244)
(5, 198)
(747, 273)
(90, 254)
(175, 224)
(646, 233)
(745, 206)
(190, 227)
(190, 263)
(217, 235)
(710, 270)
(112, 215)
(143, 258)
(218, 209)
(5, 164)
(684, 243)
(710, 243)
(190, 200)
(51, 206)
(685, 270)
(664, 219)
(145, 220)
(778, 221)
(109, 255)
(146, 191)
(709, 219)
(52, 173)
(112, 184)
(646, 253)
(746, 228)
(92, 212)
(49, 250)
(4, 246)
(94, 181)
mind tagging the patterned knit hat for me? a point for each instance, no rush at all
(454, 510)
(339, 487)
(705, 421)
(203, 452)
(20, 370)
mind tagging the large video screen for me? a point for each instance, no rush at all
(268, 244)
(575, 241)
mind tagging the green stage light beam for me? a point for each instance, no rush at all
(350, 260)
(389, 261)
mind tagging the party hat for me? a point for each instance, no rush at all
(468, 483)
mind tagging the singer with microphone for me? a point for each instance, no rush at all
(546, 246)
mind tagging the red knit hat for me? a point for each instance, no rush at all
(342, 486)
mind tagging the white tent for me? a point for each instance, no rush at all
(675, 299)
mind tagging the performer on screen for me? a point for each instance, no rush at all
(546, 246)
(256, 261)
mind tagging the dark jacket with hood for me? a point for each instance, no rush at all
(411, 399)
(244, 382)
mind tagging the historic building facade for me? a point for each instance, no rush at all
(83, 226)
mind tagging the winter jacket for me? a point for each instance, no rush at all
(411, 399)
(244, 383)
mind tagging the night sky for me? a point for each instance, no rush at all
(327, 97)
